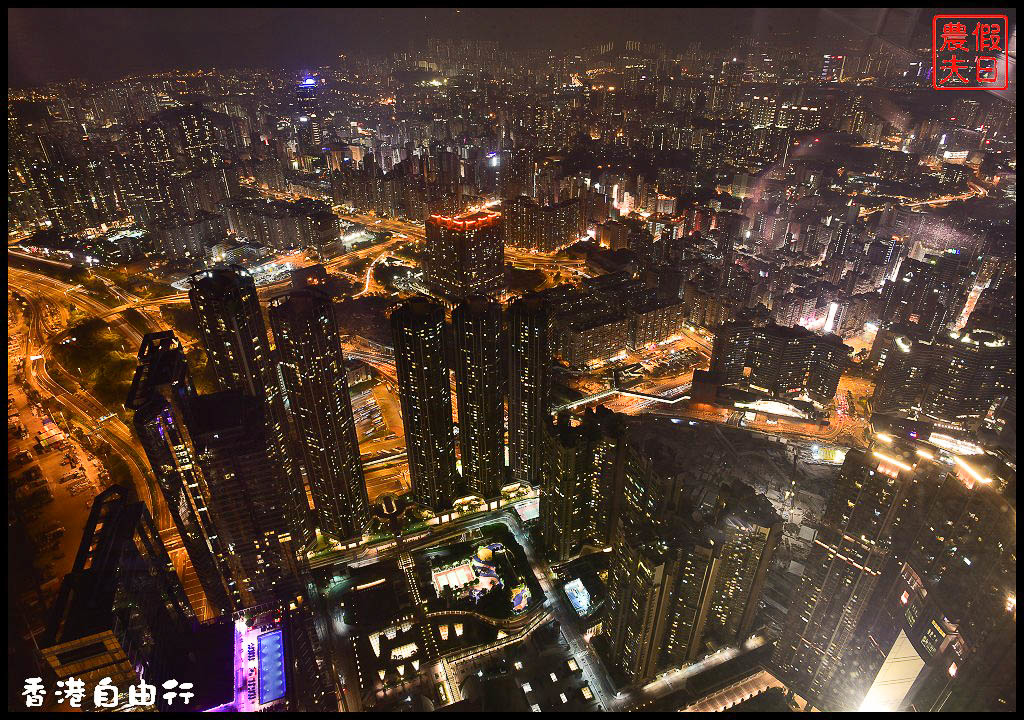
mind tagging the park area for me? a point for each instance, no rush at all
(488, 574)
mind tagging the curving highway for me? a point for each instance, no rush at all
(41, 367)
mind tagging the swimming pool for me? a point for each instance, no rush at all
(270, 655)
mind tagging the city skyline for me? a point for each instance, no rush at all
(160, 40)
(511, 360)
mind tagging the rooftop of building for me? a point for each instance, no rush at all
(477, 305)
(304, 299)
(303, 207)
(161, 362)
(466, 221)
(84, 604)
(985, 338)
(745, 508)
(218, 279)
(207, 660)
(226, 410)
(418, 307)
(797, 332)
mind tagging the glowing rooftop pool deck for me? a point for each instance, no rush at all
(270, 654)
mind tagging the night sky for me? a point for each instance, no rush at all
(44, 45)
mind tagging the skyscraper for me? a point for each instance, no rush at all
(479, 390)
(465, 255)
(313, 366)
(581, 477)
(680, 580)
(905, 358)
(544, 228)
(235, 451)
(234, 333)
(972, 371)
(660, 584)
(785, 362)
(851, 547)
(751, 530)
(529, 356)
(930, 293)
(956, 377)
(161, 398)
(424, 388)
(606, 497)
(122, 611)
(942, 602)
(307, 98)
(832, 67)
(565, 492)
(227, 308)
(307, 94)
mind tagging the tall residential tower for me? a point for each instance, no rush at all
(465, 255)
(237, 345)
(313, 366)
(479, 390)
(528, 357)
(424, 388)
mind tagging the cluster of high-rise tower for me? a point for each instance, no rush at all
(908, 599)
(234, 465)
(273, 456)
(477, 351)
(123, 615)
(684, 574)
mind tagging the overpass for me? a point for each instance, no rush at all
(679, 392)
(36, 258)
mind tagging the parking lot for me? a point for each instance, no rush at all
(53, 485)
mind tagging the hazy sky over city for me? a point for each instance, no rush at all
(48, 44)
